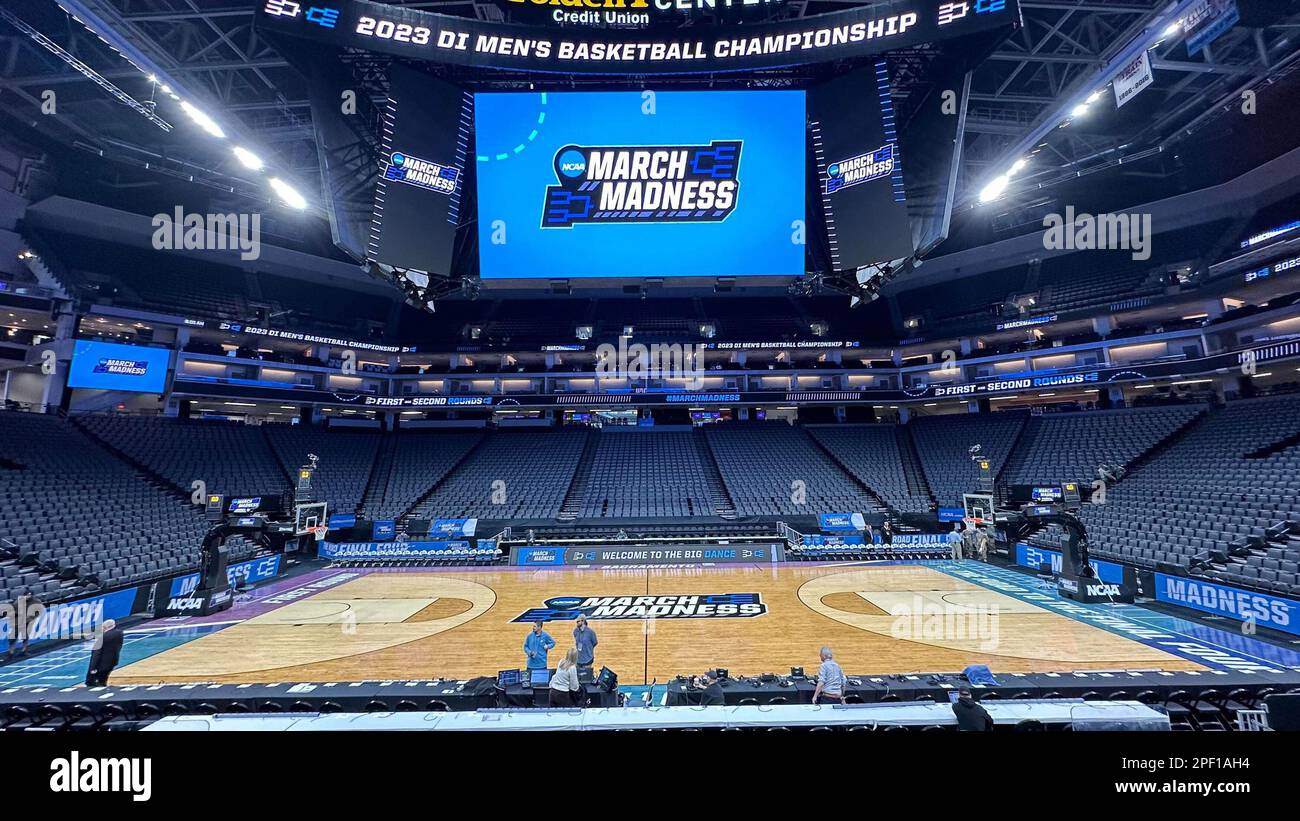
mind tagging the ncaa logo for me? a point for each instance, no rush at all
(399, 159)
(834, 170)
(563, 602)
(572, 163)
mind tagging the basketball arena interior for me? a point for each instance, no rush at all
(909, 365)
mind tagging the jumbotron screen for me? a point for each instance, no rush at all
(640, 184)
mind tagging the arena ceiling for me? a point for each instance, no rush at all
(1021, 92)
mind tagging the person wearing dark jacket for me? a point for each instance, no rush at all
(711, 695)
(105, 655)
(970, 715)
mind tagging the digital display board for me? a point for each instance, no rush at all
(860, 169)
(113, 367)
(421, 182)
(640, 184)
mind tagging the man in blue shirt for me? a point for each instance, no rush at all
(955, 540)
(584, 638)
(536, 646)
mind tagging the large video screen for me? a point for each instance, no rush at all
(112, 367)
(640, 184)
(860, 172)
(418, 195)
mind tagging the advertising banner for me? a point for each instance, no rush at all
(1263, 609)
(634, 554)
(421, 35)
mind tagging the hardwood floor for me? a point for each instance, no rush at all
(429, 624)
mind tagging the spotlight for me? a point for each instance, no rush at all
(202, 120)
(1173, 29)
(995, 188)
(287, 193)
(249, 160)
(1079, 110)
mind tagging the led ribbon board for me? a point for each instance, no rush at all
(440, 38)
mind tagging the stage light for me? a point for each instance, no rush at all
(1173, 29)
(1018, 165)
(994, 189)
(202, 120)
(287, 193)
(249, 160)
(1079, 110)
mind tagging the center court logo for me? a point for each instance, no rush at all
(647, 183)
(710, 606)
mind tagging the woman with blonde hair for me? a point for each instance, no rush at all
(564, 684)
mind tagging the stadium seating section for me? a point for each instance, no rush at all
(67, 502)
(106, 500)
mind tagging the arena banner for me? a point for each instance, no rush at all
(68, 620)
(824, 540)
(920, 539)
(1028, 555)
(1262, 609)
(383, 551)
(952, 514)
(421, 35)
(841, 521)
(247, 572)
(453, 527)
(640, 554)
(191, 385)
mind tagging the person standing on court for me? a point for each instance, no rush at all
(27, 611)
(105, 653)
(564, 684)
(536, 646)
(584, 638)
(830, 679)
(954, 540)
(887, 532)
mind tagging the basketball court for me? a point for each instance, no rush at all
(339, 624)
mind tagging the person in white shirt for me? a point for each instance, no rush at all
(564, 684)
(830, 679)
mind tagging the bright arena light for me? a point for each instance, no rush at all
(202, 120)
(288, 193)
(1079, 110)
(1173, 29)
(247, 158)
(1018, 165)
(995, 188)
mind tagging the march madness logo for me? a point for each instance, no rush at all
(645, 183)
(122, 367)
(863, 168)
(712, 606)
(421, 173)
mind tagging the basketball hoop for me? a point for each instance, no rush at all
(319, 533)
